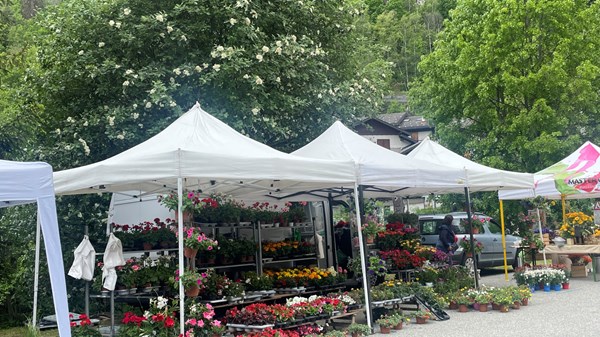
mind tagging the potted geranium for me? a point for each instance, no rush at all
(386, 323)
(189, 202)
(421, 316)
(357, 330)
(195, 241)
(466, 246)
(371, 229)
(192, 282)
(83, 327)
(201, 321)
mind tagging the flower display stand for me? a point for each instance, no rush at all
(579, 271)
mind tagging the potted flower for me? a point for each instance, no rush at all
(83, 327)
(385, 324)
(483, 298)
(195, 241)
(463, 302)
(357, 330)
(465, 244)
(525, 294)
(371, 229)
(503, 298)
(189, 202)
(399, 320)
(421, 316)
(233, 290)
(192, 282)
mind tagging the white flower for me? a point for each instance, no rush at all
(278, 50)
(216, 67)
(320, 96)
(177, 71)
(278, 79)
(183, 38)
(135, 115)
(126, 11)
(80, 52)
(86, 148)
(79, 215)
(100, 44)
(85, 123)
(57, 131)
(198, 68)
(111, 120)
(265, 49)
(148, 105)
(220, 48)
(126, 83)
(205, 65)
(294, 38)
(172, 104)
(232, 21)
(254, 14)
(246, 76)
(118, 24)
(259, 57)
(152, 91)
(160, 18)
(120, 137)
(169, 29)
(135, 105)
(186, 72)
(278, 43)
(247, 21)
(111, 23)
(128, 71)
(161, 35)
(70, 119)
(259, 80)
(255, 111)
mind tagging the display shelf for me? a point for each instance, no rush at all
(313, 257)
(250, 264)
(145, 251)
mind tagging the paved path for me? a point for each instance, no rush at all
(574, 312)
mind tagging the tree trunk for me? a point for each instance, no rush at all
(29, 8)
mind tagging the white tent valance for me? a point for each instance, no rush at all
(28, 183)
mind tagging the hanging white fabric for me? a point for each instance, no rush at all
(113, 257)
(320, 246)
(83, 264)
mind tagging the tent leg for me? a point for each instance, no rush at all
(87, 284)
(332, 227)
(540, 229)
(181, 271)
(363, 257)
(36, 270)
(564, 211)
(503, 239)
(470, 220)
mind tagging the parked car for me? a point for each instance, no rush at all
(486, 230)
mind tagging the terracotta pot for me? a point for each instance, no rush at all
(483, 307)
(192, 291)
(188, 217)
(384, 329)
(190, 252)
(453, 306)
(421, 320)
(516, 305)
(370, 239)
(398, 326)
(463, 308)
(503, 308)
(147, 246)
(356, 334)
(525, 302)
(495, 306)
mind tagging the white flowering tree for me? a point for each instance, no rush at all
(114, 72)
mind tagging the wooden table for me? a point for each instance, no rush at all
(591, 250)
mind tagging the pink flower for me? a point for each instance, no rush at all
(190, 195)
(135, 267)
(192, 321)
(208, 314)
(200, 323)
(216, 323)
(208, 306)
(209, 248)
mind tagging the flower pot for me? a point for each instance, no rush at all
(546, 287)
(147, 246)
(210, 260)
(570, 241)
(164, 244)
(476, 306)
(557, 287)
(463, 308)
(356, 334)
(453, 305)
(483, 307)
(398, 326)
(495, 306)
(421, 320)
(385, 329)
(192, 291)
(503, 308)
(525, 302)
(516, 305)
(370, 240)
(565, 286)
(190, 252)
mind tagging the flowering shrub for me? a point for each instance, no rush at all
(465, 244)
(403, 259)
(584, 221)
(254, 314)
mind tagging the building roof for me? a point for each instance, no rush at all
(406, 122)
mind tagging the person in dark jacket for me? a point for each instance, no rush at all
(446, 238)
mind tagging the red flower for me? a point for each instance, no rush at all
(169, 322)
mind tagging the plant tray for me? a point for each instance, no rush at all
(248, 328)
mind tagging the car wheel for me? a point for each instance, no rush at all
(468, 262)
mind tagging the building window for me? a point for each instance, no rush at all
(384, 142)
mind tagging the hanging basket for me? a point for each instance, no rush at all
(192, 291)
(190, 252)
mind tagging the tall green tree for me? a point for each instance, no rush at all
(514, 84)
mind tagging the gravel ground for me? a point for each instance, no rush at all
(572, 312)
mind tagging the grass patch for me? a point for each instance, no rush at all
(20, 332)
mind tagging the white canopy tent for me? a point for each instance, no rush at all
(478, 177)
(24, 183)
(203, 153)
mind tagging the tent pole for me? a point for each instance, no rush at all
(332, 231)
(36, 270)
(363, 257)
(87, 283)
(540, 228)
(503, 239)
(563, 203)
(471, 239)
(180, 237)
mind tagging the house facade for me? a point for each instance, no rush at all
(395, 131)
